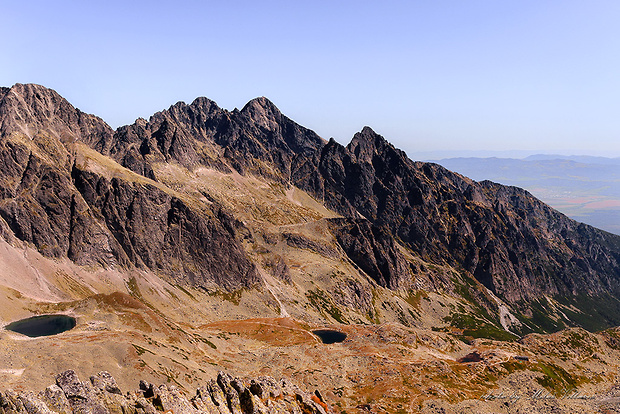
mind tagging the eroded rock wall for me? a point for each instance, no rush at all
(224, 395)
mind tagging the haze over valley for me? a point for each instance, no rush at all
(585, 188)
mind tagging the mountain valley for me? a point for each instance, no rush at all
(204, 240)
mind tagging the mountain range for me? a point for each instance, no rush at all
(190, 225)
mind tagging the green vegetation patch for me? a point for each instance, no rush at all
(597, 312)
(540, 317)
(612, 338)
(182, 289)
(234, 297)
(415, 298)
(576, 340)
(541, 321)
(514, 365)
(205, 340)
(475, 327)
(133, 289)
(322, 302)
(469, 289)
(141, 351)
(555, 378)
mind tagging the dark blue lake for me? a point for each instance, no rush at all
(44, 325)
(330, 336)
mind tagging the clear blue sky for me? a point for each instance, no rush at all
(428, 75)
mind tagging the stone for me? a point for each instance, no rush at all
(105, 382)
(226, 395)
(224, 380)
(33, 404)
(70, 384)
(55, 399)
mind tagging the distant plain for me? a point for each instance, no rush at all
(584, 188)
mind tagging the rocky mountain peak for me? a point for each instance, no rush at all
(200, 118)
(205, 105)
(363, 145)
(32, 109)
(141, 122)
(3, 92)
(260, 102)
(263, 113)
(199, 110)
(367, 143)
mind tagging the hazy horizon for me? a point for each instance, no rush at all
(512, 154)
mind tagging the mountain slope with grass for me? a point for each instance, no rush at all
(204, 239)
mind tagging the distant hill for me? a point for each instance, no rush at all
(586, 159)
(585, 188)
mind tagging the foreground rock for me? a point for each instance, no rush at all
(102, 396)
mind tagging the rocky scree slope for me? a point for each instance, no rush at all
(68, 204)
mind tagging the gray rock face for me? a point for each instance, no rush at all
(372, 249)
(47, 200)
(258, 139)
(514, 244)
(162, 233)
(226, 395)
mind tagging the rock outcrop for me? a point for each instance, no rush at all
(374, 250)
(52, 199)
(225, 395)
(515, 245)
(257, 139)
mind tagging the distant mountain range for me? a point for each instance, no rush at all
(73, 187)
(204, 239)
(585, 188)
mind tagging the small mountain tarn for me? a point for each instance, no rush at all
(45, 325)
(330, 336)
